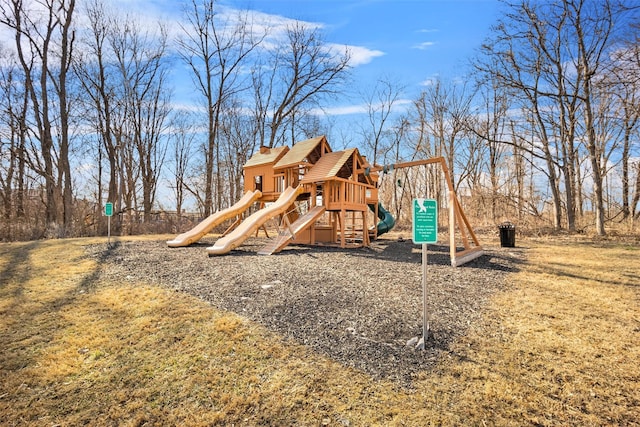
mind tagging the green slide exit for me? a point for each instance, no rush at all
(387, 221)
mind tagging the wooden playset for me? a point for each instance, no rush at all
(322, 197)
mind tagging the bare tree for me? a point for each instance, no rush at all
(636, 193)
(515, 58)
(216, 48)
(552, 54)
(67, 38)
(593, 25)
(298, 74)
(237, 132)
(492, 126)
(182, 137)
(634, 60)
(447, 114)
(13, 104)
(144, 102)
(623, 83)
(377, 131)
(97, 75)
(124, 73)
(41, 38)
(424, 144)
(403, 191)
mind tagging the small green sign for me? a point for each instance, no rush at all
(425, 221)
(108, 209)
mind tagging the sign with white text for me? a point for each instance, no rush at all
(425, 221)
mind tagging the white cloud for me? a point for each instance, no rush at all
(276, 26)
(361, 55)
(424, 45)
(147, 14)
(189, 107)
(342, 110)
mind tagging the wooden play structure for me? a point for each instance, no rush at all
(320, 197)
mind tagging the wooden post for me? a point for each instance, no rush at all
(342, 228)
(452, 225)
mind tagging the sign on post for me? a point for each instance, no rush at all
(425, 230)
(425, 221)
(108, 212)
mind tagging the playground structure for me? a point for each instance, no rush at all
(320, 197)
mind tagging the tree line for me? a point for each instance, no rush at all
(543, 129)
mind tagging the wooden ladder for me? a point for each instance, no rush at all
(289, 230)
(276, 243)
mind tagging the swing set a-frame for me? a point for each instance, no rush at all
(458, 222)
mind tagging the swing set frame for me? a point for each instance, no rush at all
(457, 219)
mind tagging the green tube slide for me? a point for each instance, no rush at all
(387, 221)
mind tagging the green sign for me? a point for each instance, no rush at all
(425, 221)
(108, 209)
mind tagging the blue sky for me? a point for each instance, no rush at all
(405, 41)
(417, 39)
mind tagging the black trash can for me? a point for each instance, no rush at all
(507, 235)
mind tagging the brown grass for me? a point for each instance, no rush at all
(558, 347)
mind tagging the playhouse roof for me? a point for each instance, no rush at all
(308, 151)
(266, 156)
(337, 164)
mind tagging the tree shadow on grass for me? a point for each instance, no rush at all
(17, 268)
(34, 298)
(569, 271)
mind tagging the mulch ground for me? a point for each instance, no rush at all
(359, 307)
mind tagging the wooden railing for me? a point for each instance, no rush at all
(341, 193)
(278, 183)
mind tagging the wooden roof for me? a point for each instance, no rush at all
(329, 166)
(308, 151)
(266, 156)
(338, 164)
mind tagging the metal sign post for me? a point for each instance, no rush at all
(425, 231)
(108, 212)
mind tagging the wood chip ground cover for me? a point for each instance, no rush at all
(356, 306)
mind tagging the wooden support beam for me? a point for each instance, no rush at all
(452, 225)
(233, 226)
(343, 242)
(465, 256)
(457, 219)
(458, 213)
(467, 224)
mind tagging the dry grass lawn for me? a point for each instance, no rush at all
(559, 346)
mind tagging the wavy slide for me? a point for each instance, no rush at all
(197, 232)
(249, 226)
(387, 221)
